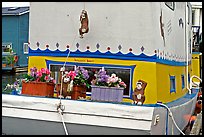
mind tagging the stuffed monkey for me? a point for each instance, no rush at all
(84, 23)
(138, 94)
(66, 87)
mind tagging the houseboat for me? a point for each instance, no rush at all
(15, 26)
(141, 42)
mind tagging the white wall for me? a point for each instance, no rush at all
(129, 24)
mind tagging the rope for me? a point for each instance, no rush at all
(63, 67)
(61, 107)
(171, 115)
(61, 113)
(84, 5)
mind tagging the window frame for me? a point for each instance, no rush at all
(131, 68)
(172, 87)
(25, 52)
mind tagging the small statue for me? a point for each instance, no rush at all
(138, 94)
(66, 87)
(84, 23)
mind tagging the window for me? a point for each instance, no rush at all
(189, 78)
(170, 5)
(123, 73)
(172, 84)
(25, 48)
(183, 81)
(55, 71)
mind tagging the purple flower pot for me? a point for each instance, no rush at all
(108, 94)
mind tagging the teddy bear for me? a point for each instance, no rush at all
(138, 94)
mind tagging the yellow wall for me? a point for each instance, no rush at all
(163, 80)
(144, 70)
(156, 75)
(196, 65)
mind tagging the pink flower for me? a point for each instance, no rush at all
(47, 71)
(123, 84)
(54, 81)
(43, 70)
(39, 73)
(46, 78)
(38, 79)
(72, 74)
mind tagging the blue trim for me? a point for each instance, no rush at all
(49, 62)
(172, 81)
(183, 81)
(189, 77)
(107, 55)
(167, 121)
(196, 52)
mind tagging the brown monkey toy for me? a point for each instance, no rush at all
(65, 87)
(84, 23)
(138, 94)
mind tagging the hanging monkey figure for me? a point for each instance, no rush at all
(84, 23)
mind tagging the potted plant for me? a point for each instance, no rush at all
(38, 83)
(79, 82)
(14, 88)
(10, 60)
(107, 88)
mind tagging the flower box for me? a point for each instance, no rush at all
(107, 94)
(78, 91)
(38, 88)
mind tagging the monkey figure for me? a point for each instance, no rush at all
(138, 94)
(84, 23)
(66, 87)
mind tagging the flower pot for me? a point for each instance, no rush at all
(38, 88)
(83, 92)
(65, 93)
(11, 65)
(78, 91)
(3, 65)
(107, 94)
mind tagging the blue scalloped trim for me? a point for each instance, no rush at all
(108, 55)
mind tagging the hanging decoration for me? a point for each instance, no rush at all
(84, 23)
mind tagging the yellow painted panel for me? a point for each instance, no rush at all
(163, 80)
(156, 75)
(196, 65)
(144, 70)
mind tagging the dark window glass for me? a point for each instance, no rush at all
(172, 84)
(122, 73)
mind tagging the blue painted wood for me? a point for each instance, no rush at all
(15, 30)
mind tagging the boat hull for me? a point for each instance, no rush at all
(39, 116)
(39, 127)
